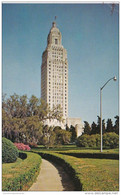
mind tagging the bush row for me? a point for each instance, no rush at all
(110, 140)
(59, 159)
(92, 155)
(84, 173)
(22, 179)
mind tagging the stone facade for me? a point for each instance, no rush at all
(77, 123)
(54, 72)
(54, 79)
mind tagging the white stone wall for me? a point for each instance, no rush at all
(77, 123)
(54, 72)
(54, 79)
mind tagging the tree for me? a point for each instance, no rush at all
(33, 105)
(109, 127)
(73, 133)
(48, 138)
(87, 128)
(62, 136)
(33, 132)
(93, 128)
(23, 106)
(116, 126)
(23, 119)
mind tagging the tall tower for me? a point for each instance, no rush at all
(54, 72)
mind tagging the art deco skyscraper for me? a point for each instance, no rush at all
(54, 72)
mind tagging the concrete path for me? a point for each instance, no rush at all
(52, 178)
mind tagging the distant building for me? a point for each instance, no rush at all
(75, 122)
(54, 76)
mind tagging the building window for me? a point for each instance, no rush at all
(56, 41)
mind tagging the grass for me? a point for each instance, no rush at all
(74, 148)
(20, 174)
(94, 174)
(97, 174)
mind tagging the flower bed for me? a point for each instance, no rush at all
(22, 146)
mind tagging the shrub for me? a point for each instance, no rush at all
(23, 174)
(22, 146)
(111, 140)
(9, 151)
(88, 140)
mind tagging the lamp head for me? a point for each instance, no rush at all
(114, 78)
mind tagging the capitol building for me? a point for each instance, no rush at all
(54, 79)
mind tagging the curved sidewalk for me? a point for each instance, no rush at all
(52, 178)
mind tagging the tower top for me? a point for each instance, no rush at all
(54, 23)
(54, 36)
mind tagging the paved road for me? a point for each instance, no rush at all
(52, 178)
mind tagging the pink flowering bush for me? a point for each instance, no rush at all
(22, 146)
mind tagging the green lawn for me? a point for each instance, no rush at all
(97, 174)
(94, 174)
(20, 174)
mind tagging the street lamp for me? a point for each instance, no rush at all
(114, 78)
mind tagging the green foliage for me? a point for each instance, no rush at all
(111, 140)
(91, 154)
(73, 133)
(23, 118)
(116, 126)
(87, 128)
(93, 128)
(20, 175)
(62, 136)
(9, 151)
(109, 127)
(53, 137)
(88, 140)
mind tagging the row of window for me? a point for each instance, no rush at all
(57, 53)
(54, 65)
(57, 48)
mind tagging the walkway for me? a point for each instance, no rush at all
(52, 178)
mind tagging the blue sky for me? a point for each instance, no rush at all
(91, 36)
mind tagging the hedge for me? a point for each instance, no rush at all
(59, 159)
(93, 155)
(82, 173)
(19, 176)
(9, 152)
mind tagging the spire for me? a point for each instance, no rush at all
(54, 23)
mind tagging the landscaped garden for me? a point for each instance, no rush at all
(26, 140)
(88, 174)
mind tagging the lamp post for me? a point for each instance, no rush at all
(114, 78)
